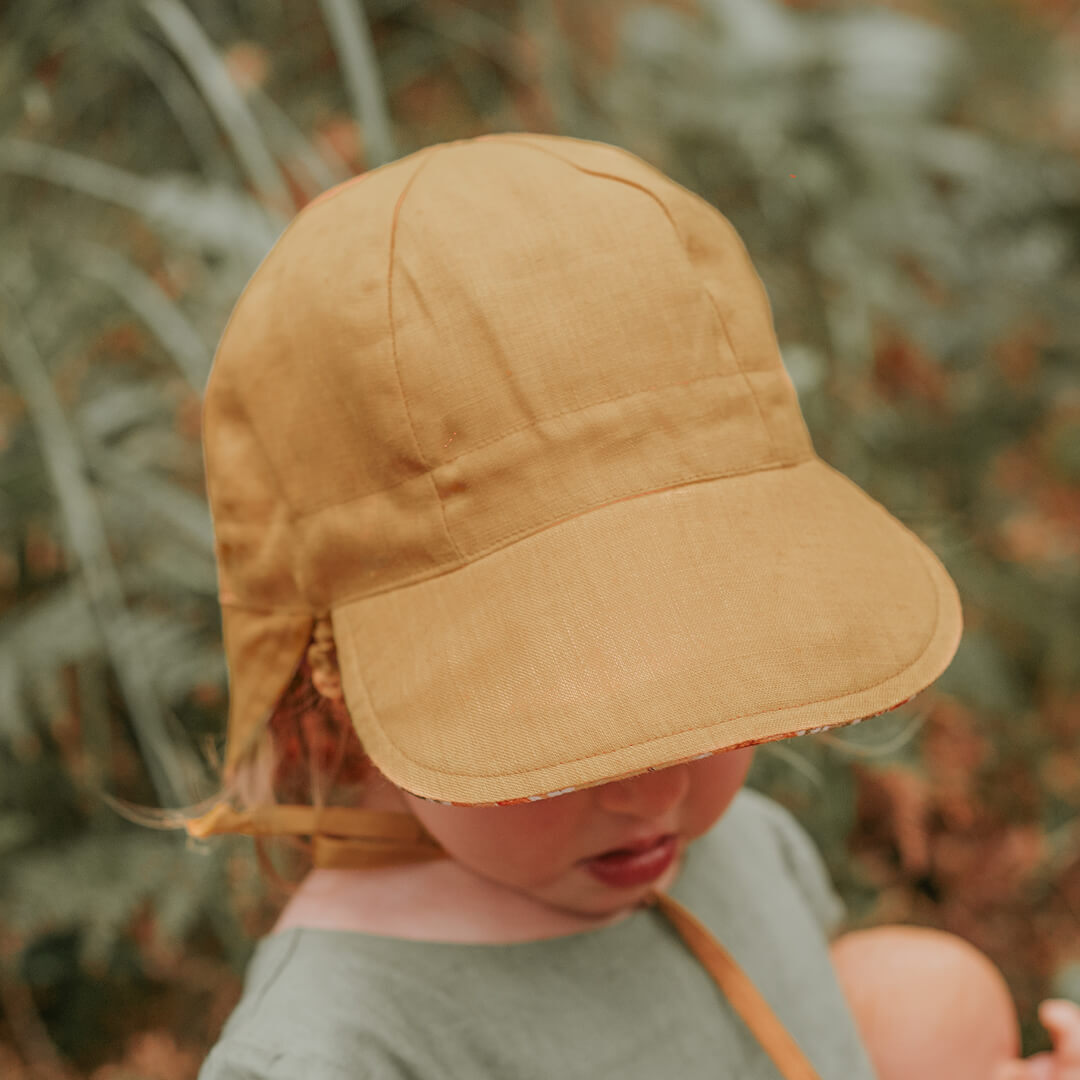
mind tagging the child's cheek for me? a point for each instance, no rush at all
(516, 844)
(715, 781)
(539, 842)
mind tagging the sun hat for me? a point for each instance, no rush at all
(511, 412)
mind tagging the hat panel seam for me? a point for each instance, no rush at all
(675, 228)
(335, 190)
(686, 287)
(476, 447)
(319, 507)
(325, 196)
(637, 160)
(448, 535)
(226, 373)
(274, 476)
(746, 377)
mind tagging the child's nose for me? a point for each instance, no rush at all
(649, 795)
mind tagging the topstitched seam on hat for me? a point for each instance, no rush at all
(324, 196)
(326, 504)
(659, 738)
(241, 407)
(337, 189)
(448, 535)
(746, 377)
(321, 373)
(659, 175)
(934, 628)
(675, 228)
(527, 530)
(529, 137)
(756, 741)
(582, 408)
(215, 369)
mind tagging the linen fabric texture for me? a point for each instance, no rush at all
(511, 411)
(628, 1001)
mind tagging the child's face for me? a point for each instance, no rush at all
(538, 848)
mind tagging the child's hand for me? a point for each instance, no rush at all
(1062, 1019)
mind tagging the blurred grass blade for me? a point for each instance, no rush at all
(224, 98)
(214, 217)
(554, 78)
(351, 36)
(148, 300)
(87, 539)
(73, 171)
(320, 173)
(185, 513)
(184, 102)
(15, 723)
(479, 33)
(890, 63)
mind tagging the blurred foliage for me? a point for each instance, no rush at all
(905, 176)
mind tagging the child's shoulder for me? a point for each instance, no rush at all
(310, 1008)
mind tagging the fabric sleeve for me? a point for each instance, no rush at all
(805, 864)
(236, 1060)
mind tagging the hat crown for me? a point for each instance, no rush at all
(470, 344)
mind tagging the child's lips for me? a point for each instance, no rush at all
(634, 864)
(643, 843)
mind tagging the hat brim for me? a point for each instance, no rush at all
(647, 632)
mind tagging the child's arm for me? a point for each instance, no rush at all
(1062, 1019)
(928, 1004)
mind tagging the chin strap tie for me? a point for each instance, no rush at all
(351, 838)
(743, 995)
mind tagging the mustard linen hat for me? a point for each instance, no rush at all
(511, 411)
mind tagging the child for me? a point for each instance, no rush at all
(505, 468)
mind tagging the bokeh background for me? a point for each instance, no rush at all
(906, 178)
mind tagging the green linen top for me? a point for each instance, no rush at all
(628, 1000)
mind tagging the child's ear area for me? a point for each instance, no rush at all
(328, 686)
(322, 657)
